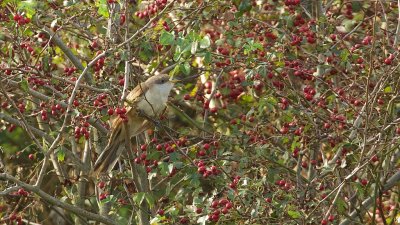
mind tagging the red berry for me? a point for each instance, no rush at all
(76, 103)
(374, 158)
(160, 212)
(102, 196)
(122, 19)
(13, 217)
(94, 44)
(214, 204)
(202, 153)
(201, 169)
(143, 147)
(186, 97)
(284, 130)
(364, 182)
(101, 184)
(388, 61)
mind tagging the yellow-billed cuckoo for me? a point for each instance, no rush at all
(150, 98)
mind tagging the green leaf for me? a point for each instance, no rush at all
(28, 6)
(294, 214)
(45, 63)
(194, 180)
(175, 71)
(205, 42)
(102, 8)
(207, 58)
(24, 85)
(163, 166)
(150, 199)
(388, 89)
(341, 205)
(185, 68)
(138, 197)
(344, 55)
(170, 168)
(60, 155)
(193, 49)
(245, 6)
(5, 2)
(167, 38)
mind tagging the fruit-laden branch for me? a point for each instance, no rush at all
(47, 137)
(19, 123)
(393, 180)
(56, 40)
(54, 201)
(94, 122)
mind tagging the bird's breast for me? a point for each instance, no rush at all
(153, 102)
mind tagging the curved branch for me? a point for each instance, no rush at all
(393, 181)
(54, 201)
(56, 40)
(46, 98)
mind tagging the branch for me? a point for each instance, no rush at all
(396, 36)
(393, 181)
(82, 85)
(23, 123)
(56, 40)
(57, 202)
(19, 123)
(46, 98)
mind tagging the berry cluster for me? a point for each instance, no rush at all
(152, 9)
(21, 20)
(223, 203)
(82, 131)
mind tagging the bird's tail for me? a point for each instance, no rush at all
(109, 157)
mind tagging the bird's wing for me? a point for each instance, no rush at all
(116, 143)
(136, 95)
(136, 124)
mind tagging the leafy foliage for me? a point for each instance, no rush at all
(287, 111)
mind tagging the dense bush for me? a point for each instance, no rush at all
(287, 113)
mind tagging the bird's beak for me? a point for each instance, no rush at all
(174, 81)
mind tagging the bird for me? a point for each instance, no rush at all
(148, 99)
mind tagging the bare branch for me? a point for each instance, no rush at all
(57, 40)
(54, 201)
(393, 181)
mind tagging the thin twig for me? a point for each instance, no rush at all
(57, 40)
(24, 123)
(54, 201)
(396, 36)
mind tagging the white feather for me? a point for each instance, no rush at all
(155, 99)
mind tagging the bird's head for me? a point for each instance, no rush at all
(161, 82)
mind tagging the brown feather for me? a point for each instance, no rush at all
(137, 124)
(109, 157)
